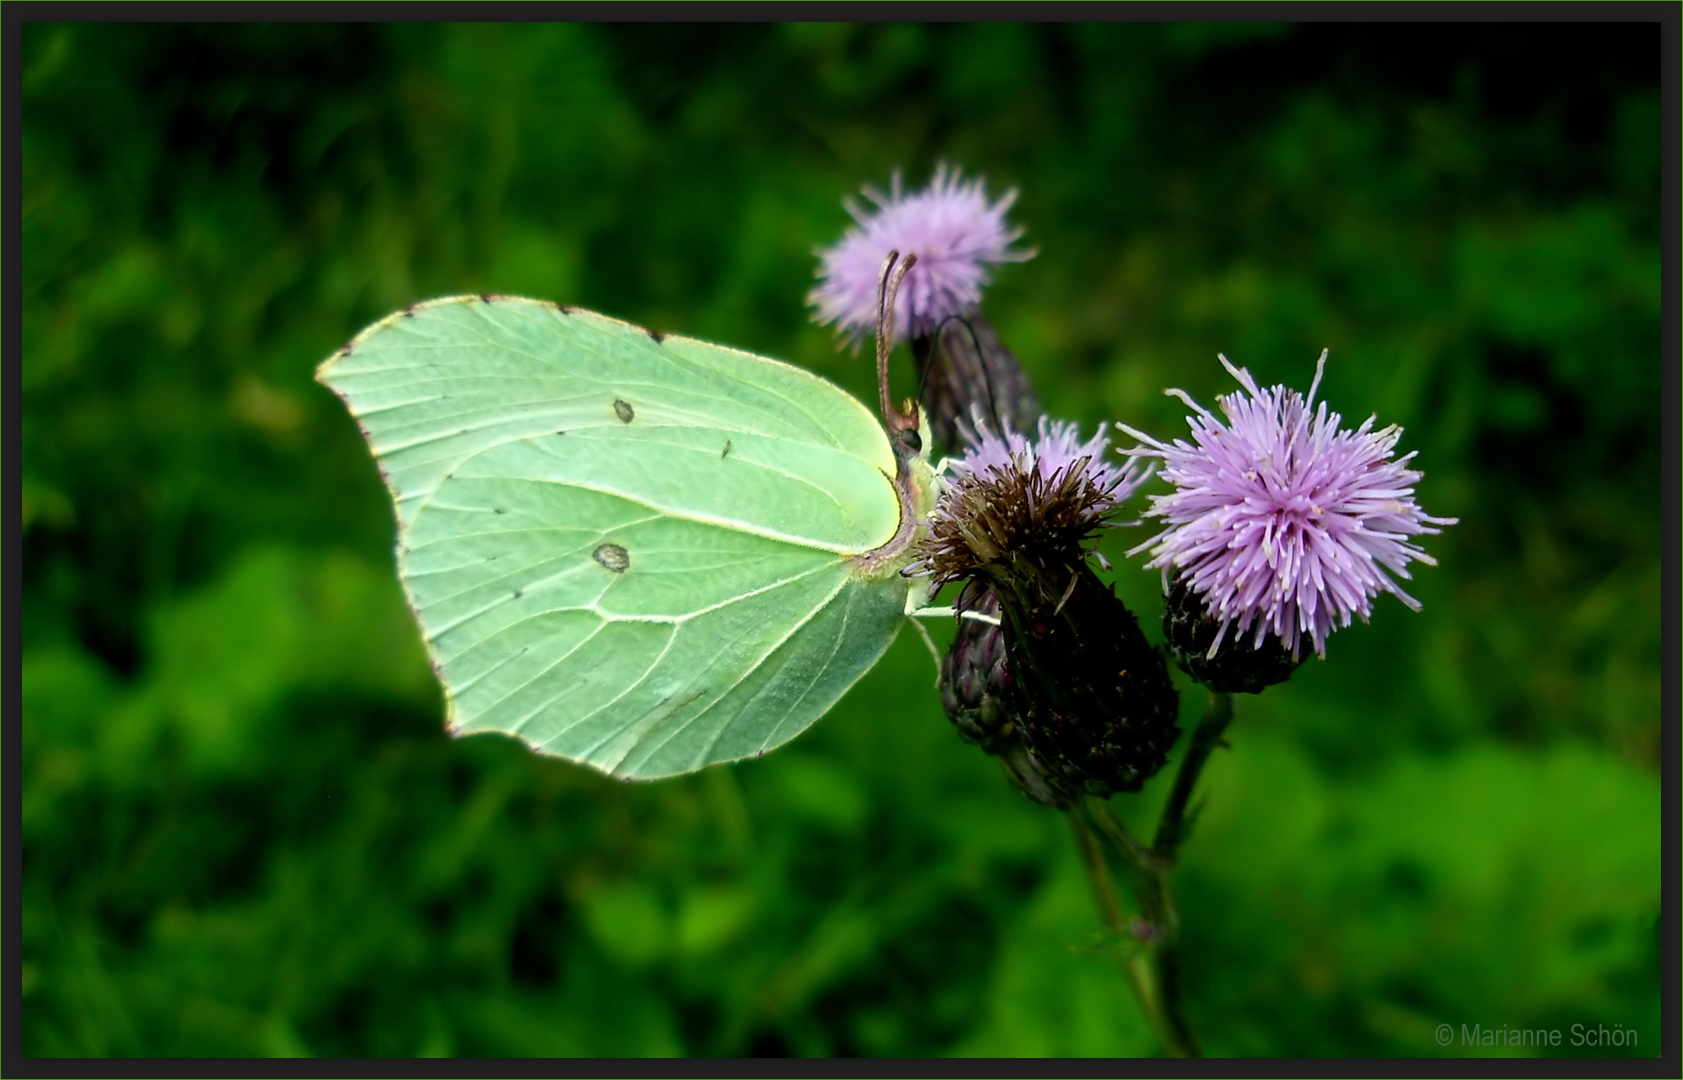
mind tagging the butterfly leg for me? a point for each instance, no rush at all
(954, 613)
(934, 652)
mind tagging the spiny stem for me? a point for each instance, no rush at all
(1172, 828)
(1098, 874)
(1154, 971)
(1136, 966)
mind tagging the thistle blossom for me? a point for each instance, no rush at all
(1283, 522)
(950, 226)
(1012, 497)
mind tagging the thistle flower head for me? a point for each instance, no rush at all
(1058, 690)
(1082, 701)
(954, 231)
(1282, 521)
(1014, 498)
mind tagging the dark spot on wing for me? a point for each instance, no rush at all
(518, 592)
(624, 411)
(560, 433)
(350, 347)
(565, 309)
(726, 451)
(485, 297)
(409, 312)
(613, 557)
(501, 510)
(656, 336)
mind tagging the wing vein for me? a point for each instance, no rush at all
(782, 641)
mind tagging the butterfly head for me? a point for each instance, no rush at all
(904, 430)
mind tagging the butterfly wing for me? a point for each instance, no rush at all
(626, 549)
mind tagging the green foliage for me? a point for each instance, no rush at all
(244, 830)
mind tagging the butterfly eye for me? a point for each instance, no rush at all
(910, 439)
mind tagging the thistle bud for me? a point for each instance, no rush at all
(978, 694)
(964, 370)
(975, 682)
(1236, 666)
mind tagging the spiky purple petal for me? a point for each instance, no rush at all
(1058, 447)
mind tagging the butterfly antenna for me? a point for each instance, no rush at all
(1000, 422)
(981, 369)
(926, 357)
(894, 271)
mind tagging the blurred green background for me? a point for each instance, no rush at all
(244, 829)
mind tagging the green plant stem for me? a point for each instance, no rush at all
(1134, 965)
(1098, 874)
(1173, 826)
(1154, 969)
(1139, 964)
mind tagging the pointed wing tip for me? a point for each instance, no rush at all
(324, 370)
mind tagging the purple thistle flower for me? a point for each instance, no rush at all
(954, 232)
(1011, 496)
(1281, 521)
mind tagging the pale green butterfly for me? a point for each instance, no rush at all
(640, 552)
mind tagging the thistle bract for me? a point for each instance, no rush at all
(1236, 666)
(975, 682)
